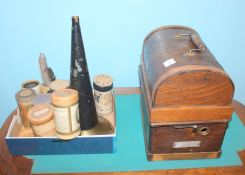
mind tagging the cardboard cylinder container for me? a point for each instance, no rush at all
(41, 117)
(31, 84)
(24, 99)
(103, 94)
(66, 113)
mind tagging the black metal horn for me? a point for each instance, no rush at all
(79, 79)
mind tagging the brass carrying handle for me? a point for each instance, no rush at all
(196, 40)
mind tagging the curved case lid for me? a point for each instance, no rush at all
(180, 70)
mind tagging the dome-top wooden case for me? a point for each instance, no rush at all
(186, 95)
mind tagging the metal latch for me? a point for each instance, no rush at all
(194, 127)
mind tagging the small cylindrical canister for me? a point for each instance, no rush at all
(24, 99)
(32, 84)
(41, 99)
(58, 85)
(41, 117)
(103, 94)
(66, 113)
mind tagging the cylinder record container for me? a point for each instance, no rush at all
(41, 117)
(103, 94)
(66, 113)
(24, 99)
(32, 84)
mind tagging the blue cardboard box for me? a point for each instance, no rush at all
(94, 144)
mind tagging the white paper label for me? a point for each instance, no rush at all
(103, 102)
(41, 112)
(169, 62)
(186, 144)
(65, 123)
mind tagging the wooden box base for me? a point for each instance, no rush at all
(180, 140)
(174, 156)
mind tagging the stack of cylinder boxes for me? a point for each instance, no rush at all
(53, 110)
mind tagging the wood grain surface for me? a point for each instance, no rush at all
(163, 137)
(190, 114)
(181, 113)
(177, 76)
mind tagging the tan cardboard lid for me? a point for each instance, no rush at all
(103, 83)
(103, 80)
(40, 114)
(25, 95)
(64, 97)
(58, 84)
(41, 99)
(30, 84)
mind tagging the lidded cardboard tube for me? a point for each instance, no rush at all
(66, 113)
(103, 94)
(32, 84)
(41, 117)
(24, 99)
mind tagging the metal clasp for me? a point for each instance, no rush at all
(194, 127)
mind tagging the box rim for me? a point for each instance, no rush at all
(15, 118)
